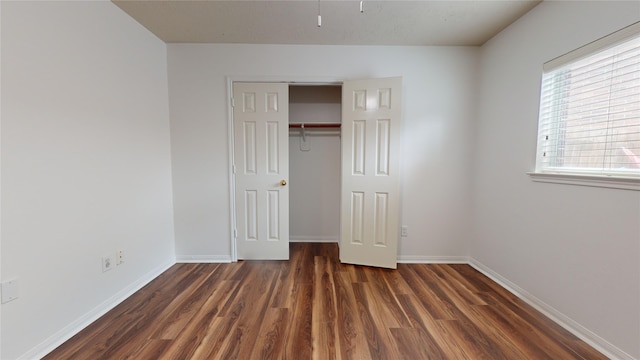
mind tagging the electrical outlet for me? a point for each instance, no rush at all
(107, 263)
(405, 231)
(119, 257)
(10, 290)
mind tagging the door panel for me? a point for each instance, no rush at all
(371, 119)
(261, 153)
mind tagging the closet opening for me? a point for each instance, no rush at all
(315, 117)
(320, 182)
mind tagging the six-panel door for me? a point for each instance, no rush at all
(261, 156)
(370, 199)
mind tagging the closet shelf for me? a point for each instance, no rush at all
(315, 126)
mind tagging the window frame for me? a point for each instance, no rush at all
(584, 177)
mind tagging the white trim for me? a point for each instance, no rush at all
(232, 177)
(291, 80)
(588, 180)
(317, 239)
(566, 322)
(57, 339)
(417, 259)
(197, 259)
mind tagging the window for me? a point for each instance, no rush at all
(589, 120)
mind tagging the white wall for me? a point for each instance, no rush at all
(85, 165)
(314, 170)
(438, 90)
(576, 249)
(0, 175)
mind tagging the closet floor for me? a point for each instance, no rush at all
(313, 307)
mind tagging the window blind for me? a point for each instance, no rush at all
(590, 111)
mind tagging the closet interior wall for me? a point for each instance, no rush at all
(314, 164)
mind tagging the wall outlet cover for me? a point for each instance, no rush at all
(10, 290)
(107, 263)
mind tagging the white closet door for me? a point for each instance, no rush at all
(370, 200)
(261, 157)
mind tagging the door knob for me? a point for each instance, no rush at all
(283, 182)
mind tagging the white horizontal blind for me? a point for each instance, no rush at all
(590, 114)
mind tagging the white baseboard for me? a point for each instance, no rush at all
(75, 327)
(414, 259)
(586, 335)
(569, 324)
(203, 258)
(317, 239)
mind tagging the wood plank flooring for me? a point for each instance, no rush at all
(313, 307)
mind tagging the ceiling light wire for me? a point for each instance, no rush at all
(319, 16)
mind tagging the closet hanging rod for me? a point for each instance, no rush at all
(315, 126)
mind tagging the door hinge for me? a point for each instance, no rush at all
(233, 102)
(233, 168)
(235, 233)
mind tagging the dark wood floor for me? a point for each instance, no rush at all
(313, 307)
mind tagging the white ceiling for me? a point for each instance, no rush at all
(452, 22)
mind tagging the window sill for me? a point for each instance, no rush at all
(610, 182)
